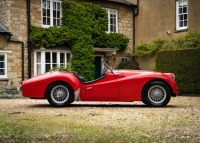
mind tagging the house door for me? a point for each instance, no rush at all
(98, 67)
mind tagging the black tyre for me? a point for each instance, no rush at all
(143, 101)
(59, 94)
(156, 94)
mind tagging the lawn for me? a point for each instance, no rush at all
(26, 120)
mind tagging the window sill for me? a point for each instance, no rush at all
(4, 79)
(181, 30)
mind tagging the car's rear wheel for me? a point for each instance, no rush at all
(59, 94)
(156, 94)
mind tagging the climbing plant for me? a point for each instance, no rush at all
(83, 27)
(190, 40)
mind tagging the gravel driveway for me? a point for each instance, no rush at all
(181, 115)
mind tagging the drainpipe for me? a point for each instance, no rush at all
(28, 2)
(135, 13)
(20, 42)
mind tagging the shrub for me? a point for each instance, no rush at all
(184, 64)
(129, 65)
(150, 48)
(190, 40)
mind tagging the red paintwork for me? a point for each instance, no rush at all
(124, 85)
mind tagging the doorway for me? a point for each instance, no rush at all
(98, 66)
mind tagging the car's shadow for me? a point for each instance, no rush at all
(106, 105)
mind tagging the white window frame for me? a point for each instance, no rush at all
(178, 15)
(124, 59)
(4, 53)
(108, 11)
(51, 13)
(42, 60)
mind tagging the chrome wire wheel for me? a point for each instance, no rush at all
(157, 94)
(60, 94)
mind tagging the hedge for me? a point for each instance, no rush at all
(185, 65)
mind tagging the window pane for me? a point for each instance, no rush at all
(185, 23)
(44, 21)
(44, 12)
(58, 14)
(181, 24)
(54, 5)
(185, 9)
(180, 10)
(181, 17)
(68, 57)
(111, 28)
(115, 29)
(38, 54)
(48, 13)
(48, 21)
(185, 16)
(48, 5)
(58, 22)
(54, 57)
(62, 58)
(54, 13)
(2, 64)
(47, 67)
(47, 57)
(38, 69)
(44, 3)
(58, 6)
(2, 71)
(2, 58)
(54, 22)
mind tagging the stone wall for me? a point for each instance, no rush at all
(3, 11)
(13, 15)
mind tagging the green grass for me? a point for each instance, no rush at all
(26, 127)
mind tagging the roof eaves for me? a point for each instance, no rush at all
(124, 2)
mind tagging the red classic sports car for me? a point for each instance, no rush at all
(61, 88)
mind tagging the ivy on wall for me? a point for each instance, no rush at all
(83, 27)
(190, 40)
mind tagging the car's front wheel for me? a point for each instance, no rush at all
(156, 94)
(59, 94)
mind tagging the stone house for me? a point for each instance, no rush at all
(19, 60)
(139, 20)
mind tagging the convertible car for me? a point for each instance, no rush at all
(61, 88)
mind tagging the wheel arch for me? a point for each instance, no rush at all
(159, 80)
(45, 94)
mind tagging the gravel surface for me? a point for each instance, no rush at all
(181, 115)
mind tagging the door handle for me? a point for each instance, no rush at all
(89, 88)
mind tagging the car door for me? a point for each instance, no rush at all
(105, 88)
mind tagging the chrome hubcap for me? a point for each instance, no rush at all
(59, 94)
(157, 94)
